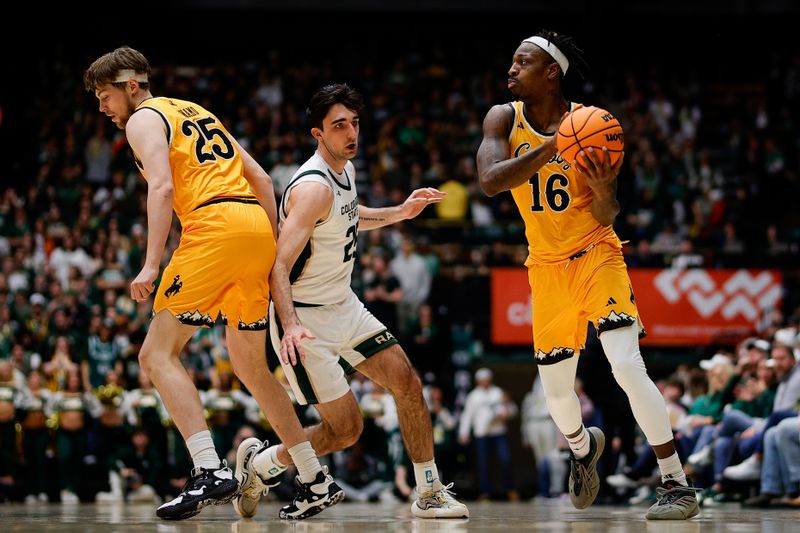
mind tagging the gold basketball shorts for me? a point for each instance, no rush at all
(221, 267)
(592, 286)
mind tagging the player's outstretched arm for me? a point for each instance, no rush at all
(497, 172)
(148, 138)
(376, 217)
(261, 185)
(308, 203)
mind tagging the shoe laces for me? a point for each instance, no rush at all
(581, 471)
(200, 472)
(193, 478)
(668, 495)
(443, 496)
(304, 489)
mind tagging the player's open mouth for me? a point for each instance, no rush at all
(351, 146)
(512, 82)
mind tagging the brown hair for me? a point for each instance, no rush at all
(330, 95)
(105, 68)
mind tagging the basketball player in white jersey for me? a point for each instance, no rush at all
(320, 218)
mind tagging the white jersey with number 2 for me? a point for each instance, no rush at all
(321, 275)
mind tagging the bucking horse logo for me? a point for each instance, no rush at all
(175, 287)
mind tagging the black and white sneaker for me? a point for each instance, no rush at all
(312, 498)
(206, 486)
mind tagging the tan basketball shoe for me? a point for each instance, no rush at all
(438, 503)
(251, 486)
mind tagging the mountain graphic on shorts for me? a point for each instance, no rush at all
(554, 356)
(614, 321)
(258, 325)
(195, 318)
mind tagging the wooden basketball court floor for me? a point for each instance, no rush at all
(557, 516)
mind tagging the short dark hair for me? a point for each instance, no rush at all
(105, 68)
(330, 95)
(677, 383)
(574, 55)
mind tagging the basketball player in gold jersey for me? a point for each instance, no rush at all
(225, 203)
(575, 265)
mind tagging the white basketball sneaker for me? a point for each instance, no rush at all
(251, 485)
(438, 503)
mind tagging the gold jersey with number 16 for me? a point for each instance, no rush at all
(554, 203)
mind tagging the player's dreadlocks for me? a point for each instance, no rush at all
(567, 46)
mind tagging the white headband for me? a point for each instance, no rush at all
(551, 49)
(129, 74)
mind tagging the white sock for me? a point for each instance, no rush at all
(425, 474)
(305, 460)
(266, 463)
(671, 469)
(202, 450)
(581, 444)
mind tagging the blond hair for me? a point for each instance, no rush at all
(105, 68)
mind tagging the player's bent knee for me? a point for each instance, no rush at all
(244, 370)
(629, 369)
(353, 433)
(630, 373)
(558, 386)
(146, 361)
(348, 431)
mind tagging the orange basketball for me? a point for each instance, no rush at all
(590, 127)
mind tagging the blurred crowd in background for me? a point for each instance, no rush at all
(710, 179)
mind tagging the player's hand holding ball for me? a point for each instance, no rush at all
(593, 140)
